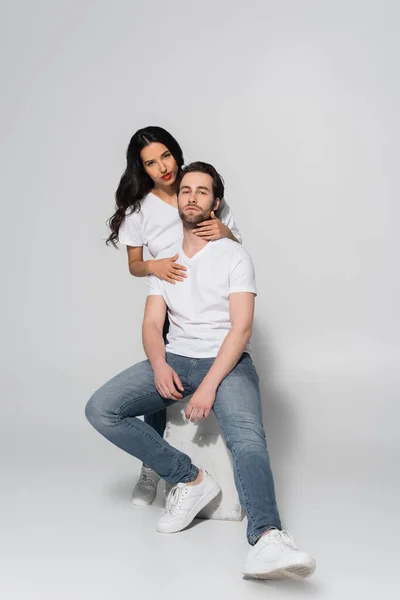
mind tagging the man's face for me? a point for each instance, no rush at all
(196, 198)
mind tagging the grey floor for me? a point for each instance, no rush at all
(69, 529)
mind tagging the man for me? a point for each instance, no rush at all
(207, 355)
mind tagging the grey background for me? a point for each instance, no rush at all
(296, 104)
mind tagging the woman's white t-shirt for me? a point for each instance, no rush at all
(157, 225)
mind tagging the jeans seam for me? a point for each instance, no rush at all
(166, 450)
(193, 362)
(248, 512)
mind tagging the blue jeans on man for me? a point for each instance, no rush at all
(114, 410)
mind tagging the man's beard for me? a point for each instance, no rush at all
(190, 219)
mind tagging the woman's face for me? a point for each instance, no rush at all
(159, 164)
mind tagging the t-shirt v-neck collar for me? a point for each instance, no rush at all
(198, 254)
(163, 202)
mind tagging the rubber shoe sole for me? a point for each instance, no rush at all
(144, 501)
(280, 570)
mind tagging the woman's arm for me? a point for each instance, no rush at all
(137, 266)
(230, 235)
(163, 268)
(227, 218)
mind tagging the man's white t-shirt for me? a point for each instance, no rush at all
(157, 225)
(198, 307)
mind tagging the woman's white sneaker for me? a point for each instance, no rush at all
(184, 502)
(146, 488)
(275, 556)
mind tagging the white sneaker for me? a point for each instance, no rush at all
(184, 502)
(275, 556)
(146, 488)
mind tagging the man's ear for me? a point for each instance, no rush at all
(216, 204)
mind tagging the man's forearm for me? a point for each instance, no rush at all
(153, 344)
(228, 356)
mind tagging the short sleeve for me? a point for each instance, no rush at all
(226, 217)
(154, 286)
(129, 233)
(242, 276)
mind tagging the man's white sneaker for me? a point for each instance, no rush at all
(184, 502)
(146, 488)
(275, 556)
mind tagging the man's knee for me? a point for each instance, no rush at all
(246, 437)
(96, 411)
(91, 412)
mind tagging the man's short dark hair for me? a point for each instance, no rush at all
(203, 167)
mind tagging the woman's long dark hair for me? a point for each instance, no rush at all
(135, 184)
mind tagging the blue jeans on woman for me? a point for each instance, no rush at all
(114, 410)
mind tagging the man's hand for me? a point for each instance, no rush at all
(167, 382)
(212, 230)
(200, 404)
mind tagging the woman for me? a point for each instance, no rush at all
(147, 215)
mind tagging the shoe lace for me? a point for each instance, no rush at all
(174, 498)
(147, 477)
(281, 539)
